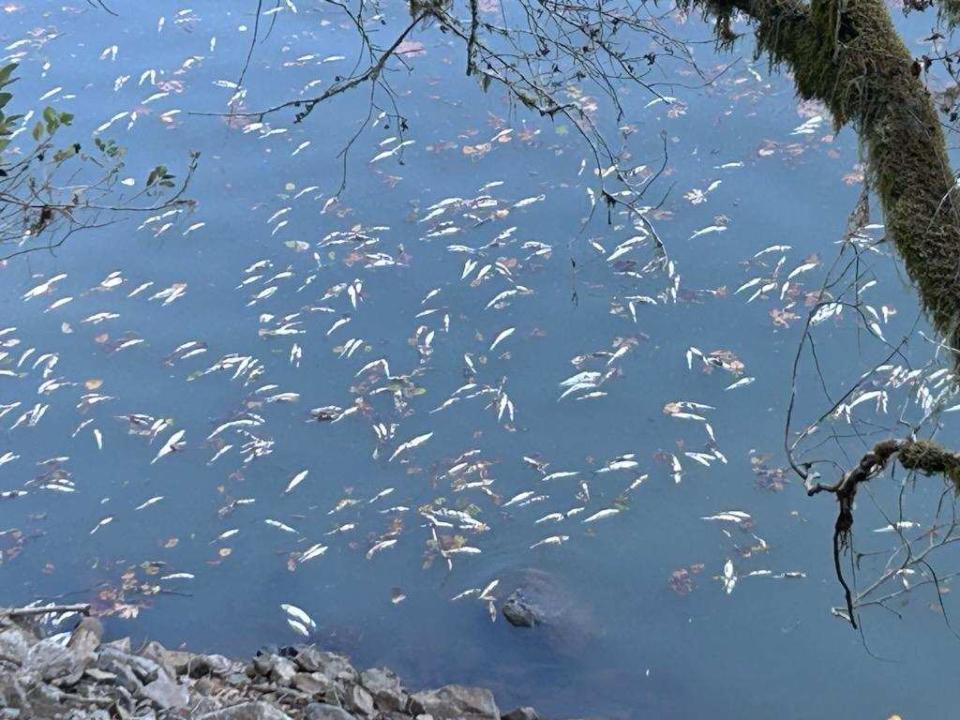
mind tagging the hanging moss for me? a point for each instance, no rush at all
(930, 458)
(847, 54)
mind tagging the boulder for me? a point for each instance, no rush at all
(50, 658)
(384, 685)
(312, 684)
(113, 662)
(83, 644)
(174, 662)
(334, 666)
(282, 670)
(456, 702)
(145, 669)
(359, 701)
(86, 636)
(166, 693)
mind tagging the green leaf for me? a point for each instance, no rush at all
(5, 72)
(51, 118)
(66, 153)
(158, 173)
(37, 131)
(4, 99)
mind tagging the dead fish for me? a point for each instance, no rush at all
(173, 443)
(296, 480)
(380, 547)
(609, 512)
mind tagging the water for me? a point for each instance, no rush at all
(769, 647)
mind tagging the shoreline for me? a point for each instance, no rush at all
(78, 675)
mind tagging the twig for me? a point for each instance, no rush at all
(83, 608)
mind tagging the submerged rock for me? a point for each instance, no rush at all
(522, 713)
(519, 612)
(541, 601)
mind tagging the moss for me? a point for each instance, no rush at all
(930, 458)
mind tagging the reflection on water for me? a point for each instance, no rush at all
(457, 267)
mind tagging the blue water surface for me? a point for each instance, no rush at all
(641, 642)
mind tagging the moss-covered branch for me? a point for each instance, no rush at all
(848, 54)
(924, 456)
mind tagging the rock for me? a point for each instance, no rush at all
(100, 676)
(237, 679)
(261, 665)
(385, 687)
(308, 658)
(320, 711)
(75, 677)
(456, 702)
(197, 666)
(206, 686)
(335, 667)
(540, 600)
(123, 645)
(44, 702)
(220, 665)
(50, 658)
(519, 612)
(144, 668)
(14, 644)
(166, 693)
(203, 705)
(522, 713)
(246, 711)
(113, 662)
(174, 662)
(12, 693)
(282, 670)
(83, 644)
(86, 637)
(359, 701)
(312, 683)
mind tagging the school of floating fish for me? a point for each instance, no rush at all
(306, 300)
